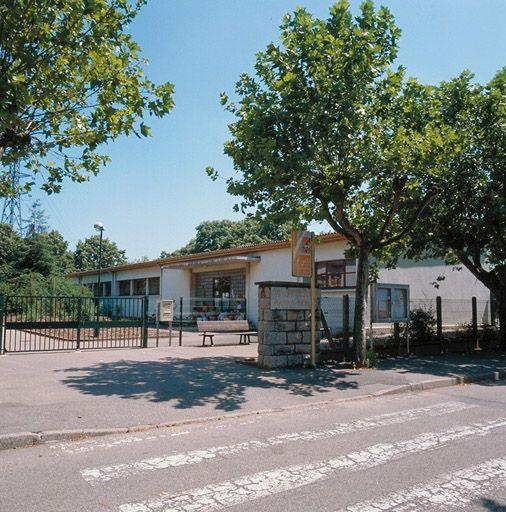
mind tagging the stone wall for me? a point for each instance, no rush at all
(284, 324)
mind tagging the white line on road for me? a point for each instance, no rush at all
(267, 483)
(106, 473)
(455, 489)
(92, 444)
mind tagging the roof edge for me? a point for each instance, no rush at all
(231, 251)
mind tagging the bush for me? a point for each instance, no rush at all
(371, 359)
(421, 326)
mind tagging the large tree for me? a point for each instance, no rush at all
(71, 79)
(467, 222)
(221, 234)
(329, 130)
(87, 251)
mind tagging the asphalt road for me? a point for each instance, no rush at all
(433, 451)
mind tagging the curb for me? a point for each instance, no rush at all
(26, 439)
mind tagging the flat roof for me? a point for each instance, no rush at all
(232, 251)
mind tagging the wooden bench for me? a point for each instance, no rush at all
(208, 328)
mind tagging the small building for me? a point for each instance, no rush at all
(221, 284)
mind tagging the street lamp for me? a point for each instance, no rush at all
(100, 228)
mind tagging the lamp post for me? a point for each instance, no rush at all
(100, 228)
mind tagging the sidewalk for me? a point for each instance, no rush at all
(158, 386)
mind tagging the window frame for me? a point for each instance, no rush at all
(150, 279)
(129, 281)
(393, 317)
(344, 263)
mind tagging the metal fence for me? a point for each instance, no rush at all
(455, 313)
(37, 323)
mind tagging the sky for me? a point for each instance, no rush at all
(155, 191)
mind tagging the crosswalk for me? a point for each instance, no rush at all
(449, 491)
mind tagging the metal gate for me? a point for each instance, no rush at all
(37, 324)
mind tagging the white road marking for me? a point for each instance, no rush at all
(455, 489)
(92, 444)
(106, 473)
(267, 483)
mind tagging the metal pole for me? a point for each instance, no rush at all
(98, 280)
(475, 324)
(313, 306)
(2, 317)
(180, 321)
(157, 323)
(145, 305)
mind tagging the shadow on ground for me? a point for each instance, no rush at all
(493, 505)
(448, 366)
(218, 381)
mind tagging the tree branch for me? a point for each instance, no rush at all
(429, 197)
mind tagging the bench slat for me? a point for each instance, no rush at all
(222, 325)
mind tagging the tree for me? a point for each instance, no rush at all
(37, 220)
(87, 252)
(467, 223)
(71, 79)
(329, 130)
(222, 234)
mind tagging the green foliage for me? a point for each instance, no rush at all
(37, 220)
(87, 253)
(222, 234)
(467, 222)
(35, 264)
(371, 359)
(72, 79)
(421, 326)
(329, 130)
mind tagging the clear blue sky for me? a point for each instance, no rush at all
(155, 191)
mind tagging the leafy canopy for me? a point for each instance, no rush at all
(329, 130)
(71, 79)
(468, 221)
(87, 253)
(221, 234)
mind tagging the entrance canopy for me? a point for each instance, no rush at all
(214, 261)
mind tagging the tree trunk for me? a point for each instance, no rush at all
(501, 313)
(359, 337)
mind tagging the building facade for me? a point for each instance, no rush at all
(221, 284)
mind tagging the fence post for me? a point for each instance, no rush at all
(397, 337)
(79, 320)
(180, 321)
(346, 318)
(2, 317)
(475, 323)
(145, 305)
(439, 323)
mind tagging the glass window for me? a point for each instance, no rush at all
(154, 286)
(336, 274)
(400, 305)
(384, 298)
(139, 286)
(221, 287)
(106, 289)
(124, 287)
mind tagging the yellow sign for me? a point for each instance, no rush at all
(302, 253)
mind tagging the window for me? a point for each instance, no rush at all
(139, 286)
(124, 287)
(390, 302)
(154, 286)
(106, 289)
(336, 274)
(221, 287)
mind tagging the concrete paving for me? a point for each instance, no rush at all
(440, 450)
(95, 391)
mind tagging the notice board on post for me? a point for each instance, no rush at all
(302, 253)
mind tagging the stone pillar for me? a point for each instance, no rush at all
(284, 324)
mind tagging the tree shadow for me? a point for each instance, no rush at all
(448, 365)
(493, 505)
(218, 381)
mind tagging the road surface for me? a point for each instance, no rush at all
(443, 450)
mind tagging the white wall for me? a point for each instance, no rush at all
(175, 283)
(420, 276)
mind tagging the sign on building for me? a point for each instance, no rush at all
(302, 253)
(166, 310)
